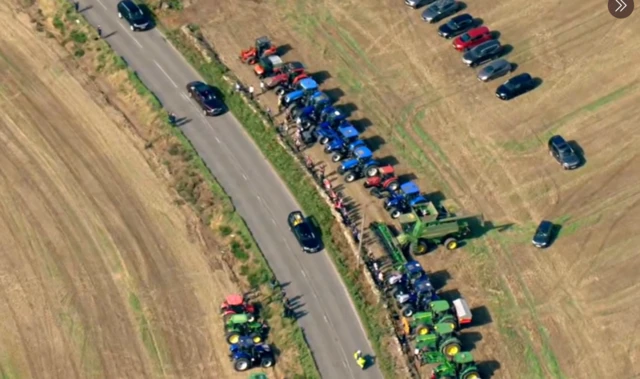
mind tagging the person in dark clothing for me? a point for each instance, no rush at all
(76, 5)
(99, 31)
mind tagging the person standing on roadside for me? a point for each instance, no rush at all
(251, 90)
(76, 5)
(99, 31)
(263, 87)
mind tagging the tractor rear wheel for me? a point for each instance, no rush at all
(451, 243)
(242, 364)
(233, 337)
(279, 90)
(256, 338)
(350, 177)
(450, 347)
(421, 247)
(266, 362)
(470, 375)
(422, 330)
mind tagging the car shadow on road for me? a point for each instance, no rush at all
(87, 8)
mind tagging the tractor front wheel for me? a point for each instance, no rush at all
(323, 141)
(372, 171)
(407, 311)
(252, 61)
(421, 248)
(242, 364)
(350, 177)
(451, 243)
(233, 337)
(450, 348)
(336, 157)
(251, 317)
(470, 375)
(395, 213)
(266, 362)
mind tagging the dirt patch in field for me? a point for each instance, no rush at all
(413, 97)
(105, 270)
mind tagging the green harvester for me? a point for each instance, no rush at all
(442, 342)
(238, 325)
(461, 366)
(422, 233)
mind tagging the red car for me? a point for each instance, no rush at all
(472, 38)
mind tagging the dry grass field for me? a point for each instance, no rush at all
(101, 273)
(570, 311)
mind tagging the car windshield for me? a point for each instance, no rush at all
(136, 14)
(207, 95)
(564, 149)
(465, 37)
(544, 230)
(304, 231)
(452, 24)
(489, 69)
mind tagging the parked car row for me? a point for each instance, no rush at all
(478, 44)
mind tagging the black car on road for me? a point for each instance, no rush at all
(456, 26)
(515, 86)
(206, 97)
(542, 237)
(134, 15)
(563, 153)
(304, 232)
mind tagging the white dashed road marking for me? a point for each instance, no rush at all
(165, 74)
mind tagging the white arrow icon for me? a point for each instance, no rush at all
(621, 5)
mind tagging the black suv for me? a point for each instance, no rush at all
(563, 153)
(135, 16)
(516, 86)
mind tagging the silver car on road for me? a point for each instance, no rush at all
(495, 69)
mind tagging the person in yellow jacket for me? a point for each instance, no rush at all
(360, 360)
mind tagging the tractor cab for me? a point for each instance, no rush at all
(262, 48)
(267, 65)
(413, 271)
(416, 297)
(332, 116)
(304, 87)
(236, 304)
(318, 100)
(386, 182)
(344, 146)
(362, 164)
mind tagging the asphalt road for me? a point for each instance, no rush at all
(329, 319)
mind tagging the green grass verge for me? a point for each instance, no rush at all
(305, 192)
(255, 267)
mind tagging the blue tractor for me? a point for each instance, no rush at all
(308, 111)
(405, 276)
(362, 164)
(331, 116)
(303, 89)
(415, 297)
(405, 200)
(344, 144)
(245, 355)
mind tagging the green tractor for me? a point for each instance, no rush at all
(422, 323)
(443, 342)
(421, 234)
(238, 326)
(258, 376)
(439, 312)
(461, 366)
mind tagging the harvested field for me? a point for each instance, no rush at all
(547, 313)
(101, 273)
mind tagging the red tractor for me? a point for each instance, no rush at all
(287, 76)
(385, 181)
(263, 48)
(236, 304)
